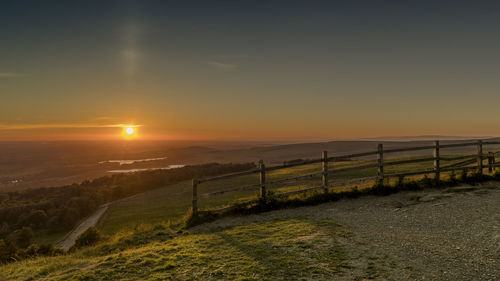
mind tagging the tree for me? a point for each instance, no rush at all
(3, 196)
(36, 218)
(4, 229)
(21, 238)
(67, 217)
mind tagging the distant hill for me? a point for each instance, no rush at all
(426, 138)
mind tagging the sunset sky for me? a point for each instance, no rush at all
(248, 70)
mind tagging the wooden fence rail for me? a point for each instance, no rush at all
(325, 172)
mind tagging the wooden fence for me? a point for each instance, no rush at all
(476, 158)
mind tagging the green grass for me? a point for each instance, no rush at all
(155, 206)
(48, 238)
(285, 249)
(171, 203)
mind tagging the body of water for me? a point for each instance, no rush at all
(145, 169)
(128, 162)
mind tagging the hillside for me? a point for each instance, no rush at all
(172, 202)
(46, 214)
(447, 234)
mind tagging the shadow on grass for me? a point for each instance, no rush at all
(277, 246)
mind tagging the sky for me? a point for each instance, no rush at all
(248, 70)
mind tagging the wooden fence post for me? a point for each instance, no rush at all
(195, 196)
(491, 157)
(480, 156)
(325, 170)
(380, 158)
(262, 179)
(493, 162)
(436, 161)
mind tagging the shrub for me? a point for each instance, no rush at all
(382, 189)
(400, 181)
(31, 251)
(463, 175)
(49, 250)
(89, 237)
(427, 182)
(412, 185)
(8, 252)
(21, 238)
(37, 218)
(453, 177)
(354, 193)
(475, 177)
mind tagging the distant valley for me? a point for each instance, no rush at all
(43, 164)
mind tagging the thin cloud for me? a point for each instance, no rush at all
(222, 66)
(234, 56)
(6, 127)
(12, 74)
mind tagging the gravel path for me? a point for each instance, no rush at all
(445, 234)
(68, 240)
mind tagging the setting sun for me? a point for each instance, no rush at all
(129, 132)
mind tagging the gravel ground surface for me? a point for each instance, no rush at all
(445, 234)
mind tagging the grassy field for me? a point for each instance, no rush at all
(49, 238)
(171, 203)
(285, 249)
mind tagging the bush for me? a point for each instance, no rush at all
(382, 189)
(43, 250)
(21, 238)
(463, 175)
(453, 178)
(8, 252)
(37, 218)
(412, 185)
(427, 182)
(49, 250)
(400, 181)
(89, 237)
(31, 251)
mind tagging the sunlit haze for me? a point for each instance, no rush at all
(247, 70)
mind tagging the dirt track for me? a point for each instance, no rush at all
(68, 240)
(445, 234)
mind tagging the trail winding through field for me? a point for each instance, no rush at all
(69, 239)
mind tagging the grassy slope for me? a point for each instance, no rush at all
(172, 202)
(281, 249)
